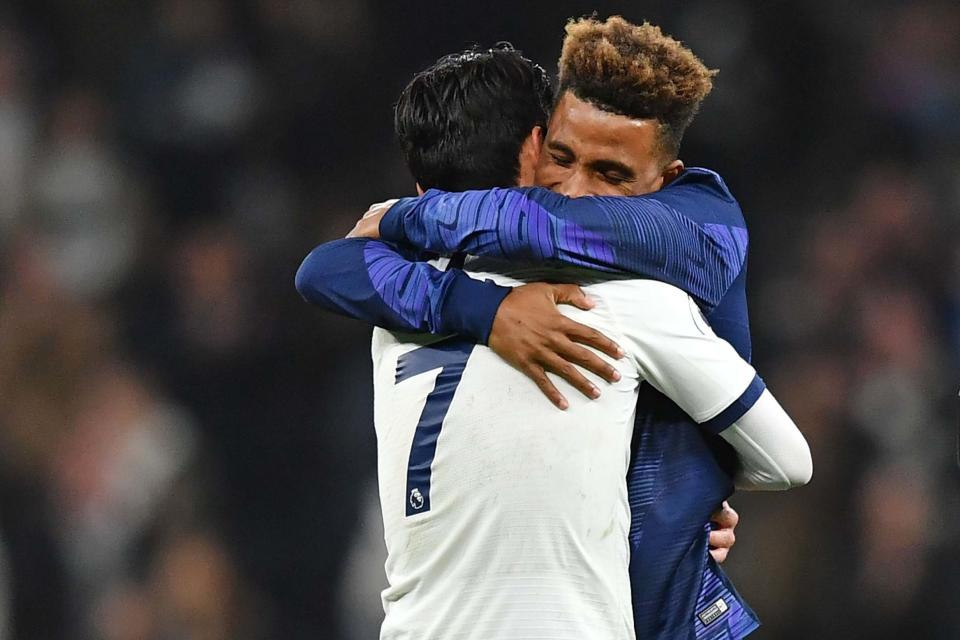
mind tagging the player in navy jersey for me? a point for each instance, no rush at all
(690, 234)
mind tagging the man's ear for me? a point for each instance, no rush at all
(536, 140)
(419, 190)
(529, 156)
(670, 172)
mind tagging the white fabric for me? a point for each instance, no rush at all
(773, 453)
(527, 532)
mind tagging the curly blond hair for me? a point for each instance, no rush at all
(636, 71)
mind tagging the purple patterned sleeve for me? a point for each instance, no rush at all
(691, 235)
(372, 281)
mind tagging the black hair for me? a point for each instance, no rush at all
(461, 123)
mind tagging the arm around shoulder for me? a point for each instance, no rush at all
(680, 355)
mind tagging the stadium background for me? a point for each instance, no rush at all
(186, 447)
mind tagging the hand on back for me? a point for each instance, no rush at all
(369, 225)
(531, 334)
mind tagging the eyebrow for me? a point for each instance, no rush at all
(562, 148)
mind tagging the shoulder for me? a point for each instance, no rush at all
(702, 195)
(706, 179)
(645, 302)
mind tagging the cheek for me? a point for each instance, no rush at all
(640, 189)
(600, 188)
(649, 181)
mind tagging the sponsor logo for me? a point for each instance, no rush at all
(714, 612)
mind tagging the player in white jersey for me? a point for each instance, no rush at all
(505, 517)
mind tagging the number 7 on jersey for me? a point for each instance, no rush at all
(450, 356)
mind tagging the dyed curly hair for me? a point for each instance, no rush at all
(636, 71)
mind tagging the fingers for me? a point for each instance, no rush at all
(592, 338)
(366, 228)
(539, 376)
(369, 225)
(590, 361)
(380, 208)
(530, 333)
(725, 517)
(567, 371)
(722, 539)
(573, 295)
(719, 555)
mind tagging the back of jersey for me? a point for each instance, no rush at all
(504, 517)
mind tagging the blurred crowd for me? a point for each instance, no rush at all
(186, 448)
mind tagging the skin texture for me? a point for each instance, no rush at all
(722, 538)
(540, 339)
(587, 151)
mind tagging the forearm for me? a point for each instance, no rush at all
(773, 453)
(506, 223)
(640, 235)
(372, 281)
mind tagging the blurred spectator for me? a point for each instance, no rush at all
(190, 98)
(115, 474)
(17, 128)
(193, 591)
(85, 207)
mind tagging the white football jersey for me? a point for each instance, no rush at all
(505, 517)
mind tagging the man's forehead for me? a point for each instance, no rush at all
(575, 121)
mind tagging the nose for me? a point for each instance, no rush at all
(574, 185)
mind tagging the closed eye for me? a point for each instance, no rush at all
(614, 179)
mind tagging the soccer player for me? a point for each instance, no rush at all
(450, 359)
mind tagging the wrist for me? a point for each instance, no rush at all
(470, 306)
(391, 223)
